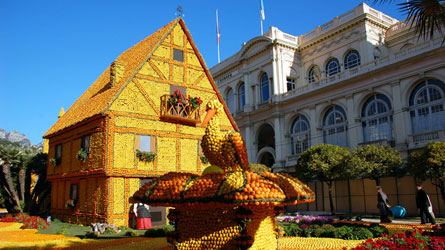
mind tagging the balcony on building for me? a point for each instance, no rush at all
(179, 112)
(422, 139)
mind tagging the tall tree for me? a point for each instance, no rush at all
(429, 164)
(326, 163)
(426, 16)
(375, 162)
(13, 175)
(39, 200)
(9, 157)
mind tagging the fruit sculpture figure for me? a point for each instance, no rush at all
(230, 206)
(226, 150)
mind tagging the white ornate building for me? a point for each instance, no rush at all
(363, 77)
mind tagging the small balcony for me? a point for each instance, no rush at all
(422, 139)
(179, 112)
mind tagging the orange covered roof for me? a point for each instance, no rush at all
(101, 93)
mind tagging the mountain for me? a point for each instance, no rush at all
(15, 136)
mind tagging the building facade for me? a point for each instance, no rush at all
(364, 77)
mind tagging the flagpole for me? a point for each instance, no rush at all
(262, 15)
(261, 25)
(217, 34)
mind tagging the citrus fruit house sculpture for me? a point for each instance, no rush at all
(229, 206)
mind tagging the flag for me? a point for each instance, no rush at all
(263, 16)
(218, 34)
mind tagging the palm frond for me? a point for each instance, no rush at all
(426, 16)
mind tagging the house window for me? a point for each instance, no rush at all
(377, 119)
(300, 134)
(230, 100)
(264, 88)
(352, 59)
(178, 55)
(290, 84)
(58, 153)
(183, 90)
(145, 143)
(313, 74)
(427, 103)
(241, 96)
(74, 191)
(85, 143)
(334, 127)
(332, 67)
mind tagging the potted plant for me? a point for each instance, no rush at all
(145, 156)
(82, 155)
(71, 203)
(176, 100)
(55, 161)
(194, 102)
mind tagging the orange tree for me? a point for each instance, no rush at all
(326, 163)
(375, 162)
(429, 164)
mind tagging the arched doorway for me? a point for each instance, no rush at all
(267, 159)
(266, 137)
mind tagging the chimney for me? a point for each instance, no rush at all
(117, 70)
(61, 113)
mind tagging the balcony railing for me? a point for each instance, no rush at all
(420, 140)
(179, 112)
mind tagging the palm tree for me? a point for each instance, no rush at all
(426, 16)
(14, 177)
(9, 157)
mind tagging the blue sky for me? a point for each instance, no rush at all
(51, 51)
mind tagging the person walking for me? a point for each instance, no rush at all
(424, 206)
(383, 205)
(142, 212)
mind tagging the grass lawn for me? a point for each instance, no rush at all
(73, 230)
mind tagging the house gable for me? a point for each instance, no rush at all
(161, 71)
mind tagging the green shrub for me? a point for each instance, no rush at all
(124, 228)
(328, 231)
(132, 233)
(159, 232)
(91, 235)
(361, 233)
(292, 230)
(377, 230)
(343, 232)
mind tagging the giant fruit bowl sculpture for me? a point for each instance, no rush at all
(232, 208)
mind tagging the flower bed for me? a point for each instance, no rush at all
(313, 226)
(407, 240)
(29, 222)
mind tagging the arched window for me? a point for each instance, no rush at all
(377, 119)
(332, 67)
(241, 96)
(313, 75)
(352, 59)
(230, 100)
(264, 88)
(427, 103)
(334, 127)
(299, 135)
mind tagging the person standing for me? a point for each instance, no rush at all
(142, 212)
(424, 206)
(383, 205)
